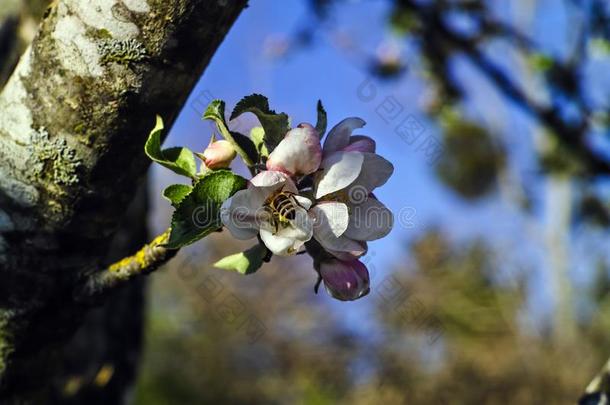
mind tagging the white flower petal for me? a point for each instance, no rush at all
(375, 172)
(303, 201)
(342, 247)
(361, 143)
(339, 170)
(331, 219)
(269, 178)
(299, 153)
(290, 237)
(325, 234)
(242, 214)
(370, 220)
(338, 137)
(301, 227)
(361, 248)
(279, 245)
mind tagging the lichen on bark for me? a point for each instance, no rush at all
(52, 159)
(123, 52)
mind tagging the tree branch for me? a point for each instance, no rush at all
(145, 261)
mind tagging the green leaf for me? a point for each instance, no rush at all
(247, 262)
(257, 134)
(176, 193)
(198, 214)
(215, 111)
(243, 146)
(179, 160)
(322, 120)
(275, 125)
(246, 145)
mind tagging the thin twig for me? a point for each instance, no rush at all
(148, 259)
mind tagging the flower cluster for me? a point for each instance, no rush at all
(318, 198)
(305, 195)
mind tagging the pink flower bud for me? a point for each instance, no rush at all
(299, 153)
(218, 155)
(345, 280)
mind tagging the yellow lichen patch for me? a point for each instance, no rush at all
(142, 259)
(118, 266)
(72, 386)
(104, 376)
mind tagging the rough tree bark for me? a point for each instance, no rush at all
(98, 366)
(73, 119)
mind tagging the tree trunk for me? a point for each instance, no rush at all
(98, 366)
(73, 120)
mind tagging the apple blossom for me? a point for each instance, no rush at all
(346, 207)
(301, 195)
(299, 153)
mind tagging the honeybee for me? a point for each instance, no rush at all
(283, 208)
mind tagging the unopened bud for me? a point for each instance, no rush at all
(218, 155)
(345, 280)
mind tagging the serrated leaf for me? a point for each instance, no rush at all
(257, 134)
(177, 159)
(275, 124)
(322, 122)
(176, 193)
(241, 143)
(198, 214)
(247, 262)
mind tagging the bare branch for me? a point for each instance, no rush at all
(145, 261)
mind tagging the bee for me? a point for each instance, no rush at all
(283, 208)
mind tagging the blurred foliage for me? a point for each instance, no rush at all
(592, 210)
(448, 331)
(471, 159)
(558, 159)
(403, 21)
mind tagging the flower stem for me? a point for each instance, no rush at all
(224, 131)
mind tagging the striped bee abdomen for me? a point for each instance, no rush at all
(285, 205)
